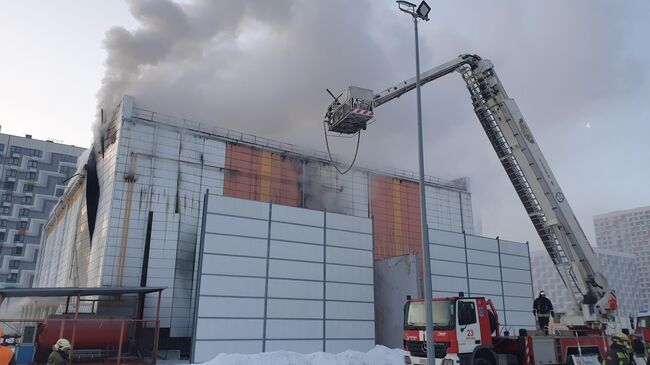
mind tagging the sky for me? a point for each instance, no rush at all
(579, 71)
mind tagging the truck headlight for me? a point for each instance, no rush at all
(407, 360)
(447, 362)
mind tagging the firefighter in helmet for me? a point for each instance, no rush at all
(619, 352)
(543, 311)
(60, 353)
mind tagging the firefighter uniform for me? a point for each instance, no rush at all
(543, 311)
(619, 352)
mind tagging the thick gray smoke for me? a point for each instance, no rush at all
(262, 67)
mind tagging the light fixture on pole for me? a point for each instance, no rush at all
(422, 12)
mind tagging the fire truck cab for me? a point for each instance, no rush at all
(466, 331)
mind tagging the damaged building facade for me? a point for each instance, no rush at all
(137, 218)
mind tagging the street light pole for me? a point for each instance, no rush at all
(422, 13)
(426, 258)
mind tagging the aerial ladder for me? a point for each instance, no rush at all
(526, 167)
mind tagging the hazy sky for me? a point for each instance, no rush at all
(579, 70)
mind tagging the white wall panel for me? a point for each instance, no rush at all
(232, 286)
(234, 245)
(515, 262)
(349, 274)
(287, 296)
(361, 241)
(485, 286)
(290, 308)
(355, 292)
(297, 233)
(349, 223)
(348, 329)
(447, 253)
(349, 310)
(516, 275)
(229, 329)
(520, 318)
(514, 289)
(449, 284)
(337, 255)
(513, 248)
(482, 243)
(239, 207)
(481, 257)
(296, 251)
(295, 270)
(448, 268)
(484, 272)
(298, 329)
(446, 238)
(236, 226)
(522, 304)
(229, 265)
(281, 213)
(281, 288)
(231, 307)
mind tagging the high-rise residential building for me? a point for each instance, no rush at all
(629, 231)
(620, 269)
(34, 174)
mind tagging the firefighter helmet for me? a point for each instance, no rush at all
(62, 344)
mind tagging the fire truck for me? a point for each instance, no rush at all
(467, 329)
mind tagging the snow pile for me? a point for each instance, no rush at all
(379, 355)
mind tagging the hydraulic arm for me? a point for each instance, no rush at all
(524, 163)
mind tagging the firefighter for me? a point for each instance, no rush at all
(619, 352)
(6, 354)
(543, 311)
(60, 353)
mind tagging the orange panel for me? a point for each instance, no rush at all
(261, 175)
(396, 216)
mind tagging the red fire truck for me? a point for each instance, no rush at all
(467, 332)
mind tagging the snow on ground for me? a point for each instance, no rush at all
(379, 355)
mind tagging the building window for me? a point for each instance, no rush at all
(28, 200)
(3, 223)
(14, 264)
(2, 236)
(24, 212)
(17, 251)
(31, 175)
(6, 197)
(35, 153)
(13, 161)
(32, 164)
(2, 147)
(28, 188)
(11, 173)
(12, 278)
(15, 149)
(18, 238)
(9, 185)
(5, 211)
(22, 225)
(58, 192)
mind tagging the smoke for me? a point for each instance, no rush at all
(262, 67)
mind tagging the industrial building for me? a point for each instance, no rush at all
(34, 174)
(259, 243)
(619, 267)
(629, 231)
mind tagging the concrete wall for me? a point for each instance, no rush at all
(274, 278)
(395, 278)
